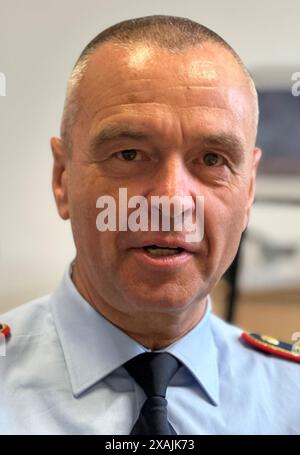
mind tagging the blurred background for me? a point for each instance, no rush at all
(39, 43)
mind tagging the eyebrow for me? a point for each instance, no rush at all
(227, 141)
(116, 132)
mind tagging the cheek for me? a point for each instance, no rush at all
(83, 194)
(98, 249)
(224, 221)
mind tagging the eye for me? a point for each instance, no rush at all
(212, 159)
(129, 155)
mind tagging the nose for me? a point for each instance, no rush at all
(174, 181)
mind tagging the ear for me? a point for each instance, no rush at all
(60, 177)
(255, 162)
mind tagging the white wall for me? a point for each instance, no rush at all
(39, 42)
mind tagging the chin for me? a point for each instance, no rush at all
(167, 298)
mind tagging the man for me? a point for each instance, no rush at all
(159, 106)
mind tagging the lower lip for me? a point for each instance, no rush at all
(162, 262)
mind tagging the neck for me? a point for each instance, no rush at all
(153, 330)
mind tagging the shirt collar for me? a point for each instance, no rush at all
(94, 347)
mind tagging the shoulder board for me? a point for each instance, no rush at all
(273, 346)
(4, 330)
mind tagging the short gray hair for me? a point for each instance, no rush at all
(169, 32)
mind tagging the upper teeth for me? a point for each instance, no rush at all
(159, 251)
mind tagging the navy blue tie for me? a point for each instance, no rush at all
(153, 372)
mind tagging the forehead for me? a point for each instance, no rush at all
(144, 80)
(112, 64)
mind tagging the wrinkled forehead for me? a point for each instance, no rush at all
(125, 75)
(113, 65)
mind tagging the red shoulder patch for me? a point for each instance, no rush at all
(4, 330)
(272, 346)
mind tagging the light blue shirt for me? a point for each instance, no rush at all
(63, 374)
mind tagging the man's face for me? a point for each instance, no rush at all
(187, 123)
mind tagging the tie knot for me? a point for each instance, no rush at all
(153, 371)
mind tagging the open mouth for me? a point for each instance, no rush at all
(158, 251)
